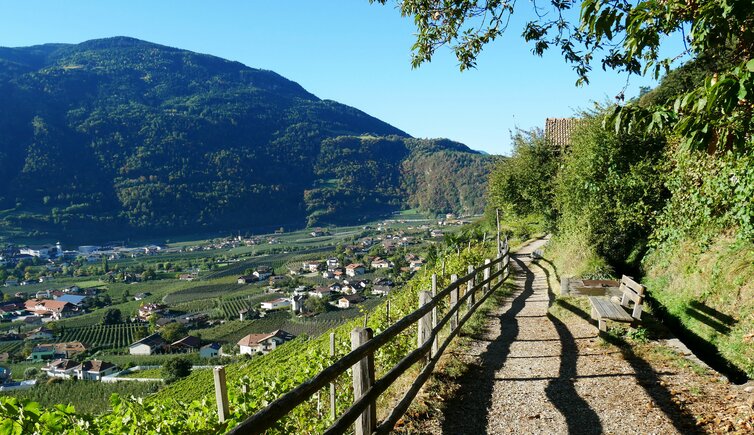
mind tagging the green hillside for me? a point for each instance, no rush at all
(116, 135)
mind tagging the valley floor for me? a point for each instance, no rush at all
(540, 367)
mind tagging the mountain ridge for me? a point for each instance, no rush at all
(124, 134)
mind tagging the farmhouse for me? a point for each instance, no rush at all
(381, 290)
(311, 266)
(148, 345)
(60, 368)
(40, 333)
(320, 292)
(264, 343)
(94, 370)
(42, 353)
(332, 263)
(246, 279)
(297, 303)
(348, 300)
(186, 344)
(210, 350)
(416, 264)
(263, 272)
(75, 300)
(276, 304)
(66, 350)
(380, 263)
(355, 269)
(145, 311)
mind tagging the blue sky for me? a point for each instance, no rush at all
(344, 50)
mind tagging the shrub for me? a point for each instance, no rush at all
(176, 368)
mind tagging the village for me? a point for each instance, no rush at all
(109, 329)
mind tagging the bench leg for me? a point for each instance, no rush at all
(602, 325)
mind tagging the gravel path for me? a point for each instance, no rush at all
(533, 373)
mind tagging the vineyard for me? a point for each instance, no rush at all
(10, 346)
(233, 330)
(113, 336)
(204, 292)
(174, 409)
(88, 397)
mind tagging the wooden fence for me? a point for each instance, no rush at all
(469, 292)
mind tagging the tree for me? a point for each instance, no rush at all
(173, 331)
(176, 368)
(523, 184)
(624, 36)
(315, 305)
(112, 316)
(31, 373)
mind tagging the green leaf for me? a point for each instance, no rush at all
(750, 65)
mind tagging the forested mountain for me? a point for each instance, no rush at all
(120, 134)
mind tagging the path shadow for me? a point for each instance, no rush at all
(467, 411)
(579, 416)
(647, 378)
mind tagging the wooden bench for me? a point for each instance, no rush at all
(605, 309)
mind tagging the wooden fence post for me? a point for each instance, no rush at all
(332, 384)
(221, 393)
(453, 303)
(436, 341)
(363, 378)
(487, 274)
(470, 288)
(425, 323)
(497, 218)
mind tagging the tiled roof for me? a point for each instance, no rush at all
(95, 366)
(151, 341)
(558, 131)
(189, 341)
(254, 339)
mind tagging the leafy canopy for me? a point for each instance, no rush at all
(623, 35)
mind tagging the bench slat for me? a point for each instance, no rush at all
(610, 310)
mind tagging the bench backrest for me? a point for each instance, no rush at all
(632, 292)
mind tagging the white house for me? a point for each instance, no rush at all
(60, 368)
(381, 290)
(332, 263)
(355, 269)
(320, 292)
(263, 272)
(264, 343)
(148, 345)
(276, 304)
(380, 263)
(348, 300)
(94, 370)
(311, 266)
(36, 251)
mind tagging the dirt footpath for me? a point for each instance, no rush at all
(535, 371)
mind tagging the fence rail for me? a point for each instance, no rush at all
(361, 358)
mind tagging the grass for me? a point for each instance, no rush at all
(710, 291)
(574, 256)
(145, 374)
